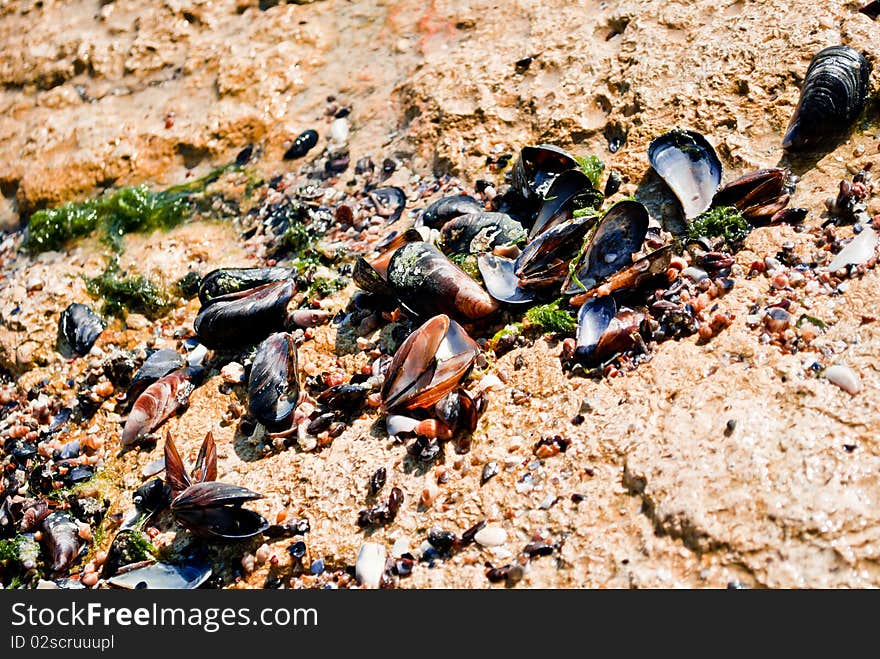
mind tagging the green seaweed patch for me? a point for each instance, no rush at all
(324, 286)
(512, 329)
(126, 210)
(128, 294)
(723, 222)
(468, 263)
(593, 167)
(551, 319)
(10, 550)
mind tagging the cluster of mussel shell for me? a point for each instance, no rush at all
(458, 269)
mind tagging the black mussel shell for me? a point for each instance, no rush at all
(389, 202)
(231, 280)
(476, 233)
(222, 522)
(304, 143)
(603, 331)
(371, 275)
(157, 365)
(619, 234)
(369, 279)
(544, 261)
(834, 93)
(163, 576)
(344, 397)
(499, 277)
(213, 493)
(593, 319)
(78, 329)
(152, 496)
(61, 533)
(245, 317)
(428, 283)
(273, 385)
(571, 190)
(441, 211)
(536, 167)
(689, 166)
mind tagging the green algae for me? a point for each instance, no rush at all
(723, 222)
(128, 294)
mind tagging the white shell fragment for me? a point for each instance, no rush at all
(844, 377)
(859, 250)
(370, 565)
(491, 536)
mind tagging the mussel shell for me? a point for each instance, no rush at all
(428, 283)
(755, 190)
(78, 328)
(157, 403)
(244, 317)
(273, 385)
(834, 93)
(536, 167)
(163, 576)
(213, 493)
(689, 166)
(304, 143)
(157, 365)
(232, 280)
(619, 234)
(371, 275)
(560, 201)
(432, 361)
(389, 202)
(499, 277)
(441, 211)
(544, 261)
(61, 533)
(593, 319)
(604, 332)
(221, 522)
(152, 496)
(476, 233)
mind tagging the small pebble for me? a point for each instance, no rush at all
(844, 377)
(233, 373)
(370, 565)
(491, 536)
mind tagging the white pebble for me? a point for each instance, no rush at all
(491, 536)
(197, 355)
(400, 547)
(233, 373)
(339, 132)
(370, 565)
(844, 377)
